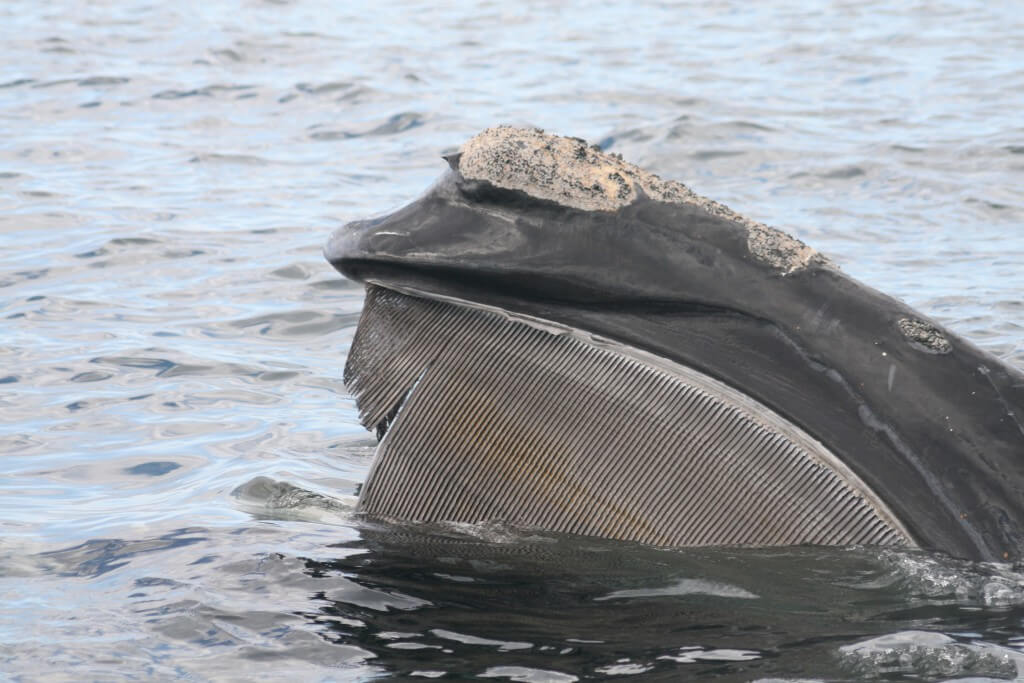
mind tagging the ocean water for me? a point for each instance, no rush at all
(179, 457)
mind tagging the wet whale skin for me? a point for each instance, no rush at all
(929, 423)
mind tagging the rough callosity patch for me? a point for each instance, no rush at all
(924, 334)
(571, 173)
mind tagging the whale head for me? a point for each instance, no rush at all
(556, 338)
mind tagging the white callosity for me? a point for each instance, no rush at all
(572, 173)
(925, 334)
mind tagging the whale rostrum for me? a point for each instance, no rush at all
(555, 338)
(571, 173)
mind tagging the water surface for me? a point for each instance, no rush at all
(179, 454)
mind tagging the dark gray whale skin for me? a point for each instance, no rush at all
(935, 430)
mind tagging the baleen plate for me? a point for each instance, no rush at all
(490, 418)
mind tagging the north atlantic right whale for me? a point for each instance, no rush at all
(555, 338)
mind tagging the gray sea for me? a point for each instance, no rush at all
(179, 456)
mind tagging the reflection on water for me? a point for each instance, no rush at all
(179, 455)
(430, 601)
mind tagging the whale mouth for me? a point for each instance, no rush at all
(488, 416)
(557, 338)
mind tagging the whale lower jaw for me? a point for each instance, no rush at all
(484, 416)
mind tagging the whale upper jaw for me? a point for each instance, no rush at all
(477, 241)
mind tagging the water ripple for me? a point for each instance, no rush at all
(171, 334)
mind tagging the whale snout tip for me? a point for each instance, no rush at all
(346, 246)
(340, 242)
